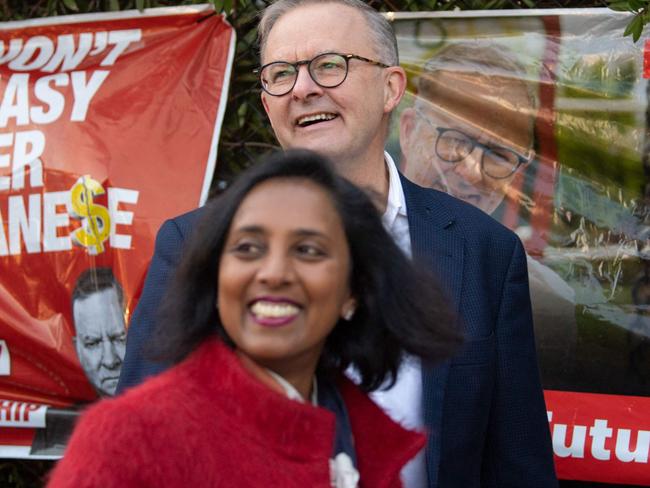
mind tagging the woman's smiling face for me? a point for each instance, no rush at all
(284, 274)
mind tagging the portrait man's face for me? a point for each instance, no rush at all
(101, 338)
(468, 135)
(341, 122)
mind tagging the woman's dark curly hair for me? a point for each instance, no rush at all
(399, 306)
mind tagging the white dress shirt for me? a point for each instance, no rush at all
(403, 402)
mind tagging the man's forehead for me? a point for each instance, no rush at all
(97, 311)
(298, 52)
(500, 109)
(466, 122)
(460, 86)
(315, 28)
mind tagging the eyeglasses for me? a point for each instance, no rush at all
(328, 70)
(453, 146)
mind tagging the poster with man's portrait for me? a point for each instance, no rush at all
(109, 125)
(540, 121)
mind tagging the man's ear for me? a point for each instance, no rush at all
(264, 103)
(394, 87)
(406, 130)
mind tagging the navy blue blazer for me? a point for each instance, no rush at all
(484, 408)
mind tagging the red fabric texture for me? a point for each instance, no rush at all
(208, 422)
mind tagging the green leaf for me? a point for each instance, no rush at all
(71, 5)
(634, 28)
(630, 27)
(619, 6)
(139, 4)
(113, 5)
(637, 4)
(223, 5)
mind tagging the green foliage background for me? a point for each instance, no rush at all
(246, 133)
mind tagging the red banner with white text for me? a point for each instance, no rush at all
(603, 437)
(109, 125)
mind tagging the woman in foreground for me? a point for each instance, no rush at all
(289, 280)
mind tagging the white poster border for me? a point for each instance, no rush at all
(533, 12)
(221, 112)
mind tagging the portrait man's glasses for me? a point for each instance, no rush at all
(328, 70)
(453, 146)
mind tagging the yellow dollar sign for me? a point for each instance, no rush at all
(96, 222)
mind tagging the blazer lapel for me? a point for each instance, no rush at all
(436, 240)
(437, 244)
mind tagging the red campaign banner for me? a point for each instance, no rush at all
(603, 438)
(109, 125)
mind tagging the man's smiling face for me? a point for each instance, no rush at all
(494, 112)
(343, 122)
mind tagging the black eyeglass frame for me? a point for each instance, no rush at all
(308, 62)
(521, 160)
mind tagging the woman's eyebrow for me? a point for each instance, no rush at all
(309, 233)
(250, 229)
(301, 231)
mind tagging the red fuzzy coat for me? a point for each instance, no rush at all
(208, 422)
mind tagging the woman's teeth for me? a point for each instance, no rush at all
(273, 310)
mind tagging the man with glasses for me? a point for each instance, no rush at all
(470, 134)
(462, 165)
(471, 128)
(331, 78)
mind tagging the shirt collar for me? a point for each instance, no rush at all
(396, 204)
(291, 391)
